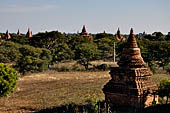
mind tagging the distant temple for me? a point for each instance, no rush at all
(29, 33)
(119, 36)
(18, 33)
(130, 84)
(7, 35)
(84, 33)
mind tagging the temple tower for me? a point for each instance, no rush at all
(84, 33)
(29, 33)
(119, 36)
(7, 35)
(130, 83)
(18, 32)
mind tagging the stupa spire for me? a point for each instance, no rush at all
(119, 36)
(29, 33)
(84, 29)
(18, 33)
(131, 55)
(7, 35)
(131, 42)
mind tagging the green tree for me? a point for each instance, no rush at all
(61, 52)
(85, 53)
(105, 46)
(47, 40)
(8, 79)
(21, 39)
(9, 51)
(168, 36)
(33, 59)
(164, 89)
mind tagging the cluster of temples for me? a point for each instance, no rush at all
(83, 33)
(8, 36)
(130, 83)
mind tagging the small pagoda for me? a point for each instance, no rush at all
(7, 35)
(119, 36)
(130, 83)
(84, 33)
(18, 32)
(29, 33)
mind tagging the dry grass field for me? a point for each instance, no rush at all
(50, 89)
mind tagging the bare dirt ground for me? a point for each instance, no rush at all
(50, 89)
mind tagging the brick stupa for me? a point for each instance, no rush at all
(29, 33)
(7, 35)
(130, 84)
(18, 32)
(84, 33)
(119, 36)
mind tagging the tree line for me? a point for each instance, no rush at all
(47, 48)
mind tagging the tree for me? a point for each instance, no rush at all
(158, 36)
(9, 51)
(8, 79)
(61, 52)
(85, 53)
(168, 36)
(105, 46)
(164, 89)
(33, 59)
(47, 40)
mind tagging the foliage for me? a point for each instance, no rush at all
(164, 89)
(105, 43)
(8, 79)
(21, 39)
(167, 68)
(85, 53)
(33, 59)
(9, 52)
(47, 40)
(61, 52)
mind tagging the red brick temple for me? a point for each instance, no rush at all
(7, 35)
(29, 33)
(119, 36)
(130, 83)
(85, 34)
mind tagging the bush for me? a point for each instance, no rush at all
(8, 79)
(167, 68)
(102, 67)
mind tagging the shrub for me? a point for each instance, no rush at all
(103, 67)
(8, 79)
(167, 68)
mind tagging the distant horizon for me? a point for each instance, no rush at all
(98, 16)
(80, 32)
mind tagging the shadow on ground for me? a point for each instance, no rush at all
(73, 108)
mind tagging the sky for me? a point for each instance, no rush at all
(98, 15)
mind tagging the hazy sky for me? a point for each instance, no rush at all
(97, 15)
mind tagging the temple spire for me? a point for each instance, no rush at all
(118, 31)
(131, 31)
(29, 33)
(131, 42)
(18, 33)
(131, 55)
(7, 35)
(119, 36)
(84, 29)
